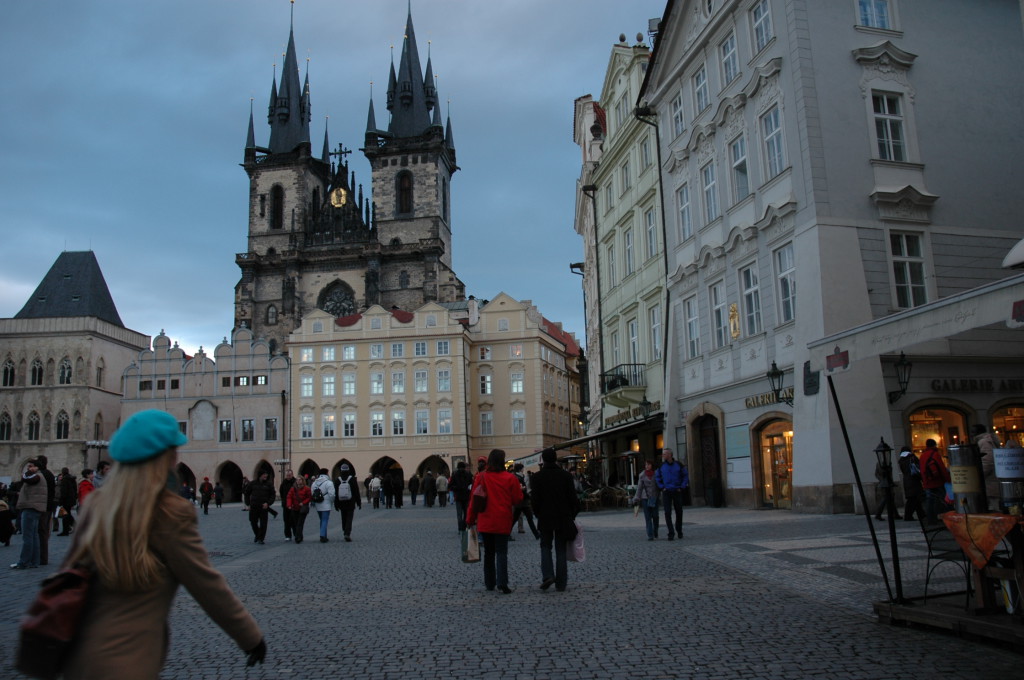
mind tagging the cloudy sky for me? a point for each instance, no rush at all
(123, 124)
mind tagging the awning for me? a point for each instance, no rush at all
(633, 424)
(1000, 301)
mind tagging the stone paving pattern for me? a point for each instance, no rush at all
(746, 594)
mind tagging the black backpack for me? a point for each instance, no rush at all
(318, 495)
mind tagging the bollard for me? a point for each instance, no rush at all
(1010, 473)
(965, 473)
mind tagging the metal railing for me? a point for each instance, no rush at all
(623, 375)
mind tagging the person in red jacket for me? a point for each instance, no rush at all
(85, 487)
(494, 523)
(297, 502)
(934, 476)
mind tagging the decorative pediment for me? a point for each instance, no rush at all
(903, 204)
(884, 62)
(741, 241)
(763, 76)
(777, 221)
(729, 112)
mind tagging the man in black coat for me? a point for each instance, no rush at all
(46, 524)
(556, 504)
(261, 495)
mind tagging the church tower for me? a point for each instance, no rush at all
(314, 241)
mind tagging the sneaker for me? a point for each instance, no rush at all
(17, 565)
(288, 538)
(547, 583)
(348, 539)
(323, 539)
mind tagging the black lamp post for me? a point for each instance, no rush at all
(645, 407)
(902, 367)
(883, 454)
(775, 379)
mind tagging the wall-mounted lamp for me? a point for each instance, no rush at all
(645, 407)
(902, 367)
(775, 379)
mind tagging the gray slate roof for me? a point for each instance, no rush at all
(74, 286)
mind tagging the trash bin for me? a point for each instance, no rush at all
(1010, 473)
(966, 474)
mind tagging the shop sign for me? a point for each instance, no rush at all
(630, 414)
(976, 385)
(766, 398)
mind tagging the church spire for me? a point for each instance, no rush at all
(289, 106)
(410, 110)
(325, 155)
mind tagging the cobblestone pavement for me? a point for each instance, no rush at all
(745, 594)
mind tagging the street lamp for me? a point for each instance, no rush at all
(645, 407)
(902, 367)
(775, 379)
(883, 455)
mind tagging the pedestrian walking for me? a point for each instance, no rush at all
(261, 495)
(205, 495)
(142, 541)
(218, 494)
(375, 492)
(462, 482)
(934, 477)
(347, 499)
(495, 522)
(556, 504)
(524, 509)
(910, 472)
(45, 523)
(85, 487)
(414, 487)
(429, 489)
(672, 478)
(881, 497)
(68, 499)
(297, 502)
(323, 500)
(987, 442)
(646, 497)
(442, 490)
(100, 476)
(289, 519)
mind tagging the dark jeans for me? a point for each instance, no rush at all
(67, 521)
(913, 505)
(495, 560)
(258, 521)
(651, 518)
(558, 569)
(298, 523)
(30, 530)
(44, 531)
(673, 498)
(289, 522)
(934, 503)
(347, 510)
(206, 505)
(460, 513)
(517, 517)
(412, 494)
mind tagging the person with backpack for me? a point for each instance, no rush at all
(934, 477)
(323, 500)
(347, 499)
(462, 482)
(442, 490)
(910, 472)
(375, 491)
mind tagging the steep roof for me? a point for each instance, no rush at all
(564, 337)
(74, 286)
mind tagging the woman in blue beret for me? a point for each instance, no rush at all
(142, 540)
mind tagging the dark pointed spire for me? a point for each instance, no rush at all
(392, 83)
(371, 119)
(449, 140)
(410, 113)
(250, 139)
(273, 99)
(325, 156)
(429, 88)
(289, 112)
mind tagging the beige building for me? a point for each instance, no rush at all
(62, 357)
(417, 391)
(233, 406)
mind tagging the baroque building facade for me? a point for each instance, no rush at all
(819, 179)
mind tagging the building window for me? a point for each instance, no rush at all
(621, 112)
(889, 137)
(785, 271)
(225, 381)
(398, 382)
(431, 320)
(327, 353)
(651, 228)
(403, 279)
(5, 427)
(719, 315)
(328, 385)
(404, 193)
(443, 348)
(654, 322)
(398, 423)
(634, 341)
(63, 426)
(348, 384)
(329, 423)
(260, 380)
(277, 207)
(519, 422)
(444, 421)
(678, 122)
(241, 381)
(874, 13)
(701, 97)
(608, 199)
(348, 425)
(683, 203)
(730, 61)
(486, 423)
(422, 421)
(248, 430)
(377, 382)
(36, 377)
(33, 427)
(64, 373)
(270, 429)
(775, 157)
(306, 386)
(645, 153)
(318, 326)
(908, 270)
(397, 350)
(751, 300)
(615, 349)
(271, 315)
(306, 426)
(612, 280)
(740, 180)
(377, 351)
(444, 380)
(707, 174)
(348, 352)
(502, 325)
(690, 312)
(377, 424)
(516, 381)
(224, 430)
(420, 383)
(420, 349)
(515, 351)
(306, 355)
(8, 378)
(485, 353)
(627, 259)
(376, 323)
(486, 384)
(763, 34)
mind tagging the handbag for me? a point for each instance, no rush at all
(470, 545)
(480, 498)
(576, 551)
(50, 626)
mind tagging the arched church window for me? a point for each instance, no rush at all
(404, 192)
(277, 208)
(396, 241)
(37, 372)
(33, 427)
(271, 315)
(63, 425)
(100, 365)
(64, 377)
(444, 199)
(403, 279)
(8, 380)
(5, 427)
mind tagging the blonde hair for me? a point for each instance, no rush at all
(116, 524)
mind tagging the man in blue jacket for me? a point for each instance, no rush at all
(672, 477)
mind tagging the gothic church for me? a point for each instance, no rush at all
(315, 241)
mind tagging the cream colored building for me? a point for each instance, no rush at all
(422, 390)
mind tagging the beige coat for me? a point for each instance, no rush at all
(125, 635)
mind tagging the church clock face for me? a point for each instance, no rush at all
(339, 303)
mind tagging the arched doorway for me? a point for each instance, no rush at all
(266, 467)
(336, 470)
(185, 476)
(775, 443)
(308, 469)
(709, 475)
(1008, 423)
(943, 423)
(434, 464)
(230, 477)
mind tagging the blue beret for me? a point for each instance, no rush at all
(144, 435)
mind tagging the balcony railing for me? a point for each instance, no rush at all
(623, 375)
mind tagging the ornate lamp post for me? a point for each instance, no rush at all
(902, 367)
(775, 379)
(883, 454)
